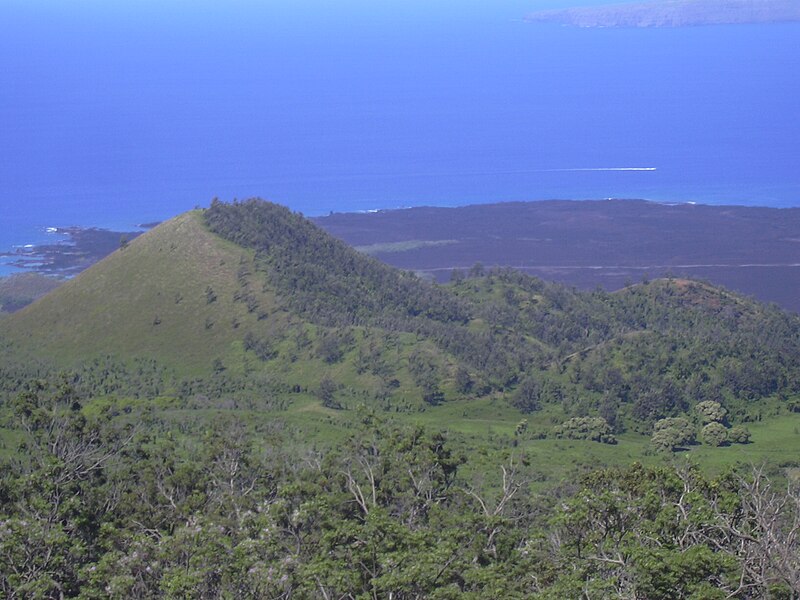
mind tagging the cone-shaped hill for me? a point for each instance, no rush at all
(170, 294)
(249, 299)
(243, 289)
(189, 288)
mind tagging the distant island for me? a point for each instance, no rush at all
(674, 13)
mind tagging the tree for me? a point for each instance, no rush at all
(326, 392)
(595, 429)
(331, 346)
(526, 397)
(51, 513)
(463, 380)
(763, 532)
(433, 396)
(642, 533)
(671, 433)
(714, 434)
(710, 412)
(738, 435)
(476, 271)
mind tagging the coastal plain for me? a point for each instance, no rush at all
(606, 243)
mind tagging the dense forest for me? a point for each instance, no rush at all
(103, 505)
(294, 419)
(646, 353)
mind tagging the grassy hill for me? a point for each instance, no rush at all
(20, 289)
(249, 302)
(168, 295)
(221, 318)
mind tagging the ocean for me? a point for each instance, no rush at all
(119, 113)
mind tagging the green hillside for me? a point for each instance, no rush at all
(236, 405)
(20, 289)
(208, 316)
(167, 295)
(249, 300)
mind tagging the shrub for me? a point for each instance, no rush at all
(672, 433)
(715, 434)
(711, 412)
(595, 429)
(738, 435)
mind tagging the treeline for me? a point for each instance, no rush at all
(130, 506)
(646, 353)
(641, 354)
(144, 379)
(324, 279)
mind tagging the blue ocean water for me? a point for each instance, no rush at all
(118, 113)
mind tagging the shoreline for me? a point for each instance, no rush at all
(81, 248)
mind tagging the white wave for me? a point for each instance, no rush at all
(600, 169)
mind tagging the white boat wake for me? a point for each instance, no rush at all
(600, 169)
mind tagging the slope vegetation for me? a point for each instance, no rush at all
(248, 302)
(271, 305)
(169, 295)
(20, 289)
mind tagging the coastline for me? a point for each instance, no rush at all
(81, 248)
(608, 242)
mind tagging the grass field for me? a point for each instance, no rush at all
(483, 431)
